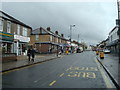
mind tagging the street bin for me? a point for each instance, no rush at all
(101, 55)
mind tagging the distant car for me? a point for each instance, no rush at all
(78, 50)
(106, 51)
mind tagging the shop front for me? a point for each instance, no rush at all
(6, 44)
(21, 44)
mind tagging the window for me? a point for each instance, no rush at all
(111, 37)
(8, 26)
(1, 25)
(51, 38)
(18, 29)
(37, 37)
(24, 32)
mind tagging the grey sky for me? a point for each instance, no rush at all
(93, 20)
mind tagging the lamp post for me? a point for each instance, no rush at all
(71, 35)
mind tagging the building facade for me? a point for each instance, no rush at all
(45, 41)
(14, 35)
(113, 39)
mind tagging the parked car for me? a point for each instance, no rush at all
(106, 51)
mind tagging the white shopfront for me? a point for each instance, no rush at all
(20, 44)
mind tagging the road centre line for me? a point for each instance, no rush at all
(105, 78)
(52, 83)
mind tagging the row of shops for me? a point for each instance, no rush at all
(49, 47)
(18, 44)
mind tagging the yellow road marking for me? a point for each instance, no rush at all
(52, 83)
(105, 78)
(61, 74)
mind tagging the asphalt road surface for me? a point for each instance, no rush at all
(79, 70)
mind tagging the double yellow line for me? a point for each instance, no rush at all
(105, 78)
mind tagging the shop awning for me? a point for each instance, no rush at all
(46, 43)
(6, 41)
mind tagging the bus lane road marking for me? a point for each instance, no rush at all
(78, 72)
(84, 72)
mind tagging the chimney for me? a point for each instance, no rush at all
(62, 35)
(56, 32)
(48, 28)
(40, 30)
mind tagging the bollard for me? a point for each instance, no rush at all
(101, 55)
(97, 52)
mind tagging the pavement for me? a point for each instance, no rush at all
(112, 66)
(24, 62)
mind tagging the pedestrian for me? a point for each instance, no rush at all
(50, 50)
(33, 54)
(29, 53)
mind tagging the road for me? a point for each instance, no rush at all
(79, 70)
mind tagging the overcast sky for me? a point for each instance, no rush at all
(93, 20)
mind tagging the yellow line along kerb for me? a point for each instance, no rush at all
(105, 78)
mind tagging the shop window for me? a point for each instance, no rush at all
(24, 47)
(4, 47)
(9, 48)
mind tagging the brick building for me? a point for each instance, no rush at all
(45, 41)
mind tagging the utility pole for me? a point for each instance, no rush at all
(71, 35)
(118, 23)
(78, 37)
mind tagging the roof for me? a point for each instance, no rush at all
(37, 32)
(113, 29)
(12, 19)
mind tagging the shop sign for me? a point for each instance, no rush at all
(22, 38)
(6, 36)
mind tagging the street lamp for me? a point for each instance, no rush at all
(71, 35)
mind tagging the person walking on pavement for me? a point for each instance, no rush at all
(29, 54)
(33, 54)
